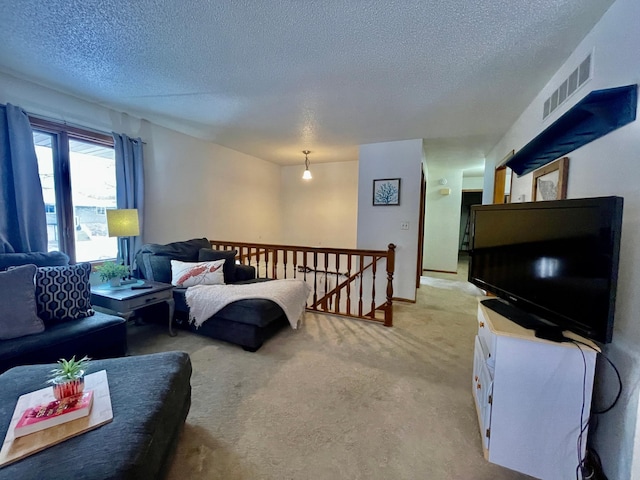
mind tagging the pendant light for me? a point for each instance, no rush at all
(307, 173)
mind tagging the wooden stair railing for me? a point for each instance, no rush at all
(334, 291)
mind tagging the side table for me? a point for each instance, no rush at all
(124, 301)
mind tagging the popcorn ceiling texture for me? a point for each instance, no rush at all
(274, 77)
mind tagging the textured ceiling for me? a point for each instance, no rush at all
(273, 78)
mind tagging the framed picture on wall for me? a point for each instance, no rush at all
(550, 181)
(386, 191)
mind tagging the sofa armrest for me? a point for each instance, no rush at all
(244, 272)
(39, 259)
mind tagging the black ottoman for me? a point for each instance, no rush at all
(150, 396)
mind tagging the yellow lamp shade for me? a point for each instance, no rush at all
(123, 222)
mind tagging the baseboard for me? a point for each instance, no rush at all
(440, 271)
(400, 299)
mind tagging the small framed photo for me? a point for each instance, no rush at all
(550, 181)
(386, 191)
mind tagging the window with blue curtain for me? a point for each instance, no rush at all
(78, 177)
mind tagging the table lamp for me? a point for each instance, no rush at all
(123, 223)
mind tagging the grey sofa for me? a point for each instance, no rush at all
(150, 397)
(248, 323)
(98, 336)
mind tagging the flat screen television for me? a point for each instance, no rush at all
(553, 265)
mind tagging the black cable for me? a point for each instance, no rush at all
(581, 468)
(615, 401)
(591, 466)
(596, 465)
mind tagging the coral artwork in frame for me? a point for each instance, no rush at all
(550, 181)
(386, 191)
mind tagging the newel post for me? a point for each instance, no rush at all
(391, 265)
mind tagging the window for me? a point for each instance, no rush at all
(77, 173)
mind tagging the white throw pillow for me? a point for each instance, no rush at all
(188, 274)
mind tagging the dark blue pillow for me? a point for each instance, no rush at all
(229, 257)
(18, 303)
(63, 293)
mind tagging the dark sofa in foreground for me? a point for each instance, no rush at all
(248, 323)
(48, 339)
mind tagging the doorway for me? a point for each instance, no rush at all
(469, 197)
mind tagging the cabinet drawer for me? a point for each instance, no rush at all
(482, 391)
(482, 374)
(487, 339)
(478, 360)
(138, 302)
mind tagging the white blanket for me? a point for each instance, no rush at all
(206, 300)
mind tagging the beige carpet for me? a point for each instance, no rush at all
(336, 399)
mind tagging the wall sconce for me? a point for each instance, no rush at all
(307, 173)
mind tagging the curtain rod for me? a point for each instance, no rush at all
(71, 124)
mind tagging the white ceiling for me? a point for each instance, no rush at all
(273, 78)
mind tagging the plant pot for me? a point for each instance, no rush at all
(68, 388)
(115, 282)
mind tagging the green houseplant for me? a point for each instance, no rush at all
(112, 272)
(68, 377)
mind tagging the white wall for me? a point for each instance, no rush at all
(607, 166)
(442, 218)
(323, 211)
(472, 183)
(379, 226)
(193, 188)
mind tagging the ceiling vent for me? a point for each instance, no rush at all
(577, 78)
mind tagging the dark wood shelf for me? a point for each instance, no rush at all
(597, 114)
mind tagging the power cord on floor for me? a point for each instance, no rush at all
(591, 467)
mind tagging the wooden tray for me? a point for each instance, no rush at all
(14, 449)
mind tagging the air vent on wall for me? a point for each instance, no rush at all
(575, 80)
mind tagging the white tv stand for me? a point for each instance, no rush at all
(528, 394)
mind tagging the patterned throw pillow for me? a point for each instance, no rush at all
(188, 274)
(64, 293)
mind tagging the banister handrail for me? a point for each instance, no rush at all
(285, 261)
(301, 248)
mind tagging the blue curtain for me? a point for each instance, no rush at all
(23, 222)
(130, 183)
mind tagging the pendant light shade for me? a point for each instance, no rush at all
(307, 173)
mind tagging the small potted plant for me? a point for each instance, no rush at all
(68, 377)
(112, 272)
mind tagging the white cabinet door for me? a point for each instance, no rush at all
(482, 390)
(485, 391)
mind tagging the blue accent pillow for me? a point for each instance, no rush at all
(63, 293)
(229, 257)
(18, 303)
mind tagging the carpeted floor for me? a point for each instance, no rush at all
(336, 399)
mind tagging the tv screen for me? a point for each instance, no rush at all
(557, 260)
